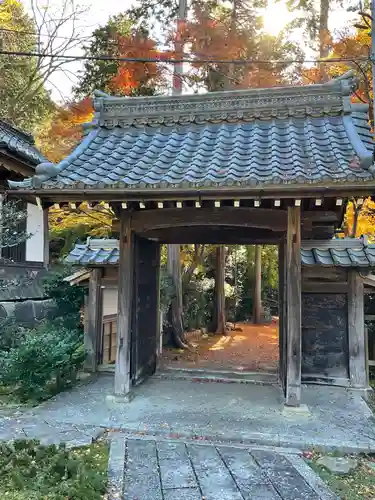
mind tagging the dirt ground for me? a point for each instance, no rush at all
(248, 348)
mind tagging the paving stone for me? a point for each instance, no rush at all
(205, 457)
(177, 474)
(242, 465)
(168, 450)
(183, 494)
(270, 460)
(145, 487)
(290, 485)
(139, 450)
(259, 492)
(116, 467)
(213, 475)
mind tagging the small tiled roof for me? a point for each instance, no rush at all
(19, 144)
(304, 135)
(95, 252)
(341, 253)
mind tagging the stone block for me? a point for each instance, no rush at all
(338, 465)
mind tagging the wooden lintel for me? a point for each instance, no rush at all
(144, 221)
(294, 329)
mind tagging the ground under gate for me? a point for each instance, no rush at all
(247, 348)
(238, 413)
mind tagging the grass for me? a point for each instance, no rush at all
(358, 485)
(30, 471)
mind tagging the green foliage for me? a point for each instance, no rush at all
(12, 334)
(46, 362)
(32, 471)
(166, 290)
(68, 299)
(198, 302)
(37, 363)
(23, 99)
(97, 75)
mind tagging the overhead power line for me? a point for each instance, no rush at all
(187, 59)
(45, 35)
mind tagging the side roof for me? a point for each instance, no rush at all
(19, 144)
(339, 252)
(249, 139)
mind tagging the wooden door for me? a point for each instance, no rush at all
(145, 317)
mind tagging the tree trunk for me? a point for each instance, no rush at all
(257, 302)
(174, 269)
(220, 291)
(324, 37)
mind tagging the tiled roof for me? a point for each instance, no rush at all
(258, 137)
(342, 253)
(95, 252)
(19, 144)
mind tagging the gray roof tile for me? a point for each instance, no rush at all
(341, 253)
(257, 137)
(19, 143)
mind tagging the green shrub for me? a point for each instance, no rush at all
(45, 363)
(40, 472)
(12, 334)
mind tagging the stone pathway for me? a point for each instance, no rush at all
(164, 470)
(36, 428)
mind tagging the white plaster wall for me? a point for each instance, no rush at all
(34, 226)
(110, 297)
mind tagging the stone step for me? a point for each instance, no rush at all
(226, 376)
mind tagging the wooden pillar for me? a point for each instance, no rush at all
(45, 237)
(282, 314)
(257, 301)
(293, 316)
(93, 332)
(356, 331)
(220, 290)
(124, 315)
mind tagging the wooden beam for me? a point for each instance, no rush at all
(273, 219)
(356, 331)
(124, 314)
(213, 235)
(294, 330)
(92, 339)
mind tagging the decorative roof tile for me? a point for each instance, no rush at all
(340, 253)
(258, 137)
(18, 143)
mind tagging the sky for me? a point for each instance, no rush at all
(97, 12)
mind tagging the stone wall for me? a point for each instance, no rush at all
(27, 312)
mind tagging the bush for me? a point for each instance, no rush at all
(45, 363)
(39, 472)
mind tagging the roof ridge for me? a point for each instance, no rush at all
(229, 105)
(23, 134)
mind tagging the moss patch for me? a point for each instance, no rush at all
(358, 485)
(31, 471)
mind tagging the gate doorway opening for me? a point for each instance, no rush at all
(249, 342)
